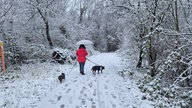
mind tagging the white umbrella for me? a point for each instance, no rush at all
(85, 42)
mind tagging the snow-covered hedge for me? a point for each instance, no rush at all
(26, 54)
(155, 89)
(164, 96)
(35, 53)
(63, 56)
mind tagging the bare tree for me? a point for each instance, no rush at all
(43, 8)
(5, 8)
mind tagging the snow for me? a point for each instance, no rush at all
(37, 86)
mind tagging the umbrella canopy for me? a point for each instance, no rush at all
(85, 42)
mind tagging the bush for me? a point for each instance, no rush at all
(164, 97)
(63, 56)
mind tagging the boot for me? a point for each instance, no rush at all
(82, 73)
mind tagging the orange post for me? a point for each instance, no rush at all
(2, 57)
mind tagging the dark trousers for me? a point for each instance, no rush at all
(81, 66)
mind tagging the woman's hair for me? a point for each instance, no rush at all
(82, 46)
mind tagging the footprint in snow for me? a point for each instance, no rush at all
(85, 95)
(59, 98)
(113, 96)
(52, 101)
(107, 81)
(94, 92)
(75, 81)
(93, 106)
(114, 106)
(62, 106)
(90, 85)
(68, 90)
(83, 101)
(84, 88)
(66, 85)
(105, 86)
(93, 103)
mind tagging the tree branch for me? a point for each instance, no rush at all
(6, 12)
(123, 7)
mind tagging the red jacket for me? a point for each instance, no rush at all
(81, 55)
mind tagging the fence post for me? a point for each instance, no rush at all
(2, 58)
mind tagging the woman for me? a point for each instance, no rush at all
(81, 57)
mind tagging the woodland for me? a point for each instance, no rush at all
(158, 32)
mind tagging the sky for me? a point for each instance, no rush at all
(36, 86)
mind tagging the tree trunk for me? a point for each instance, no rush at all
(141, 35)
(43, 16)
(82, 12)
(152, 52)
(48, 34)
(152, 58)
(81, 15)
(139, 64)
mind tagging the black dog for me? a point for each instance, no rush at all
(97, 68)
(61, 77)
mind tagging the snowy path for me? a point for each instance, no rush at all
(106, 90)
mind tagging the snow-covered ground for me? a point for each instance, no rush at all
(37, 86)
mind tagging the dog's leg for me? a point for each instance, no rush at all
(60, 81)
(93, 72)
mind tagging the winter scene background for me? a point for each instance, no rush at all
(144, 45)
